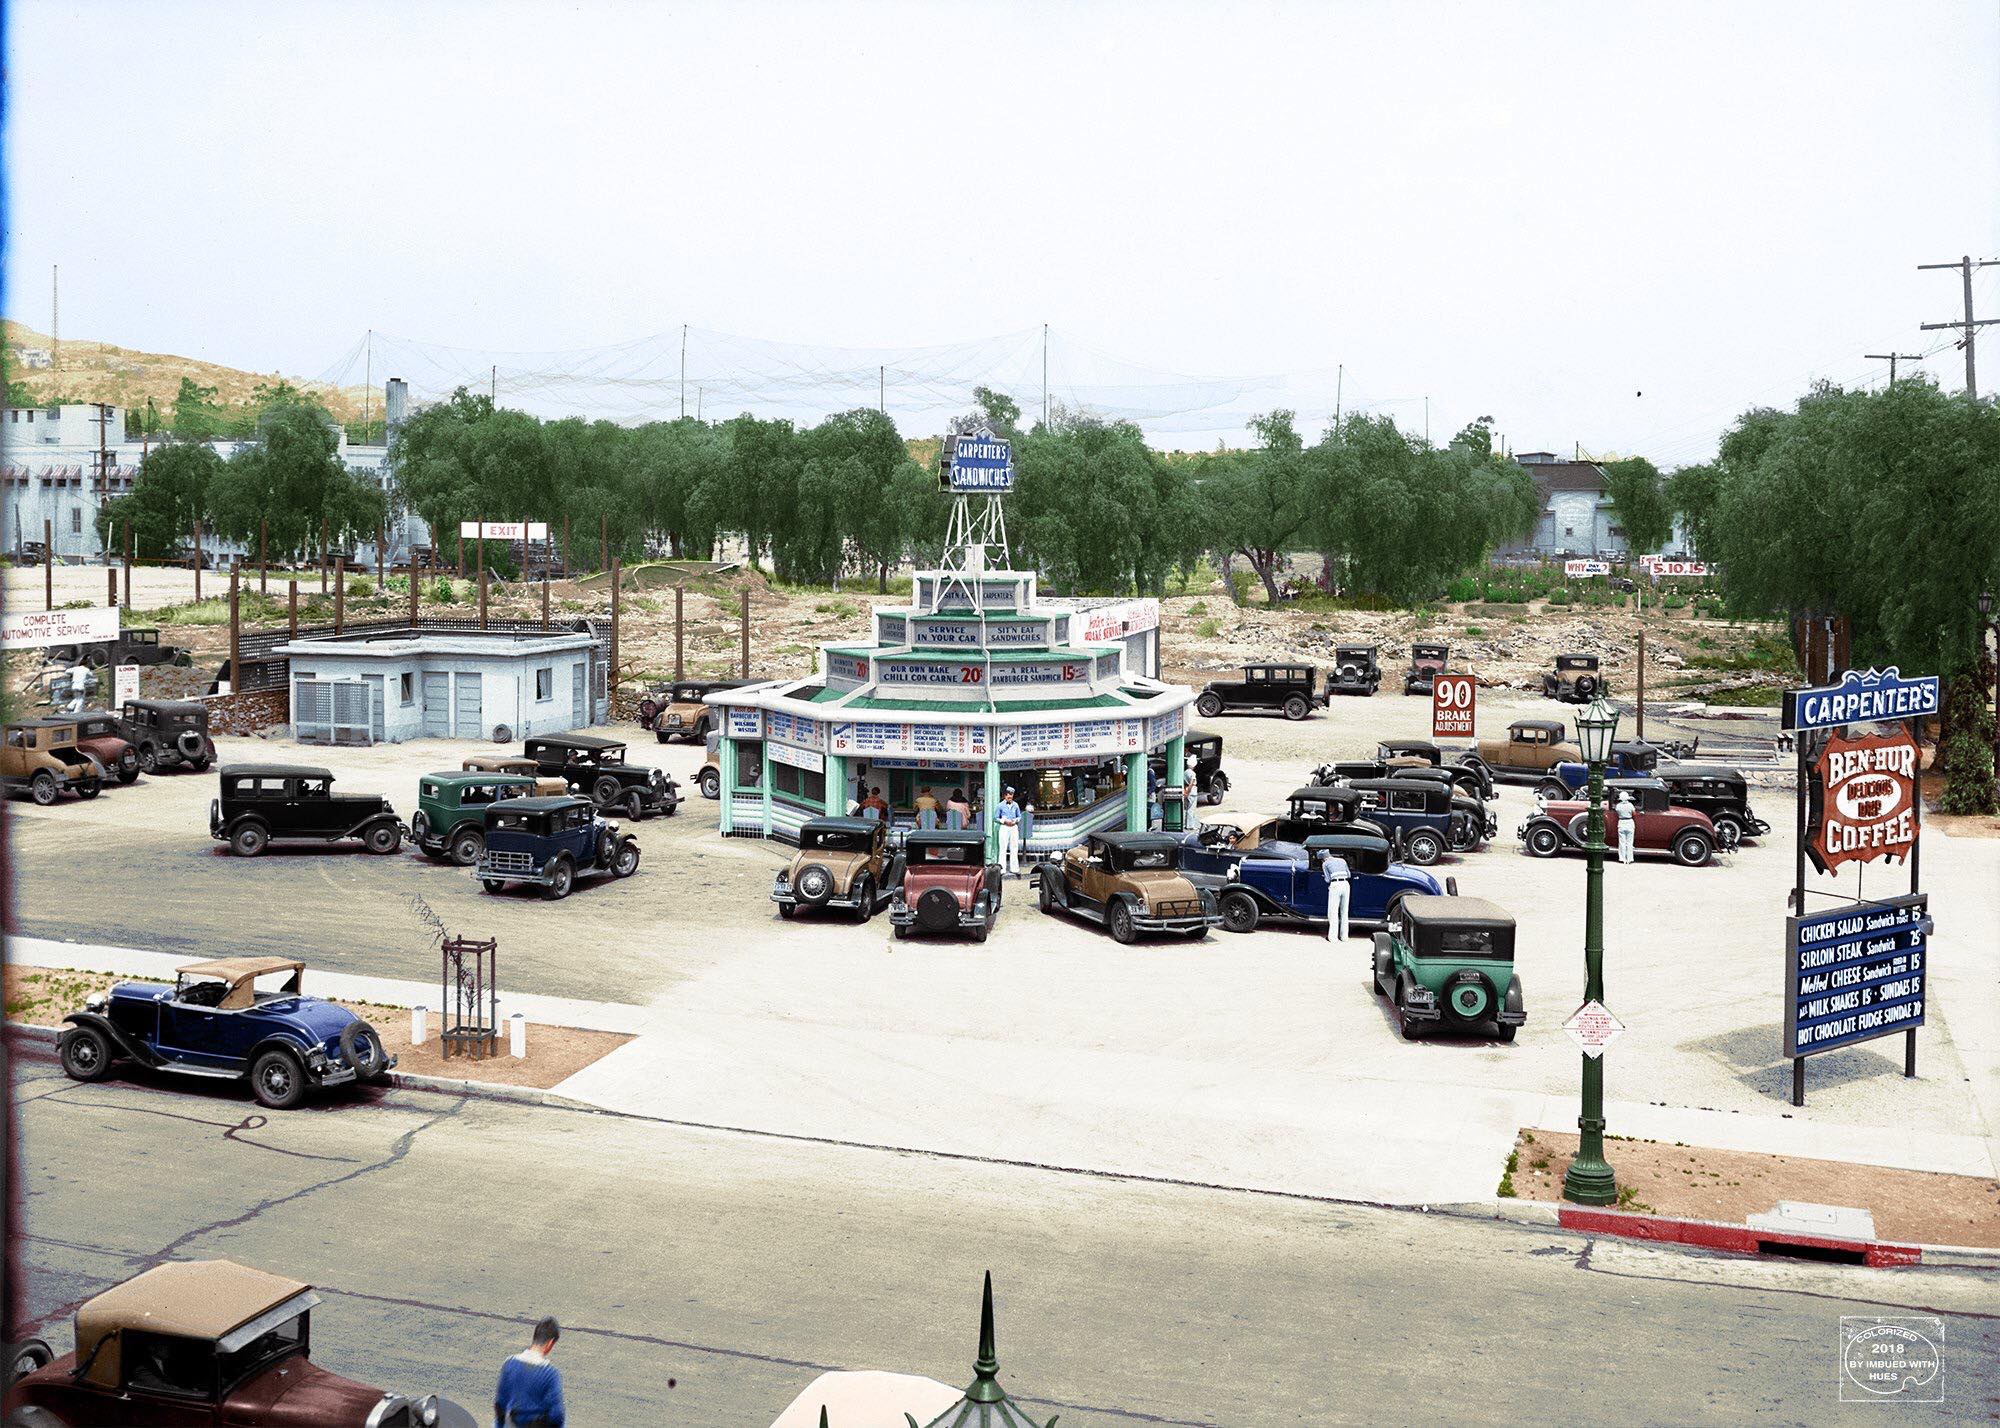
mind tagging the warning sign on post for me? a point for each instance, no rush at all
(1593, 1027)
(1451, 706)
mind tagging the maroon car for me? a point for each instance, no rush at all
(1659, 825)
(947, 886)
(100, 734)
(203, 1342)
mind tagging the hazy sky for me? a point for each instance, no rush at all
(1537, 211)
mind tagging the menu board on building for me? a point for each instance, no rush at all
(1007, 676)
(800, 729)
(1162, 727)
(745, 723)
(903, 671)
(810, 759)
(894, 629)
(939, 633)
(847, 666)
(936, 741)
(1083, 736)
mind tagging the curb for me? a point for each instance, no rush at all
(399, 1080)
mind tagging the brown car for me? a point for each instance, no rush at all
(42, 756)
(1132, 883)
(1576, 679)
(841, 862)
(709, 778)
(678, 710)
(205, 1342)
(546, 785)
(947, 886)
(1532, 747)
(100, 734)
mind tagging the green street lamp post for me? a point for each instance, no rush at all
(1589, 1179)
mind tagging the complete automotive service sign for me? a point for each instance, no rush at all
(1856, 973)
(982, 464)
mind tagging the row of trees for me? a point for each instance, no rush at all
(1881, 507)
(286, 482)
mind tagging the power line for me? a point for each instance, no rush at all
(1968, 325)
(1892, 358)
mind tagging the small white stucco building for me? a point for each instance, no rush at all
(386, 686)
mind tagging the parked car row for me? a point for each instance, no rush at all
(1295, 690)
(79, 753)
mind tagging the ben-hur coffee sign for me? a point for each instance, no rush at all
(1863, 800)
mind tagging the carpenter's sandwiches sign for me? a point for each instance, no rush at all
(1862, 804)
(981, 464)
(1874, 696)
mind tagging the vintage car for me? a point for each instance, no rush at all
(677, 710)
(1211, 783)
(135, 646)
(260, 803)
(551, 842)
(450, 821)
(591, 764)
(1630, 758)
(1132, 883)
(1278, 881)
(947, 886)
(1531, 749)
(31, 552)
(1474, 780)
(1427, 662)
(1356, 670)
(216, 1021)
(1574, 680)
(546, 786)
(169, 733)
(708, 779)
(1289, 689)
(100, 734)
(42, 756)
(841, 862)
(1418, 814)
(1449, 962)
(1718, 791)
(206, 1342)
(1659, 824)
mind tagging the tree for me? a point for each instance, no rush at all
(197, 414)
(1639, 501)
(1692, 494)
(1264, 499)
(291, 482)
(168, 496)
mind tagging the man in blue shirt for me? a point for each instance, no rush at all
(1010, 835)
(530, 1393)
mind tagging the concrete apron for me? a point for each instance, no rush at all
(708, 1058)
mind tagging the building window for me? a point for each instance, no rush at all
(76, 520)
(545, 684)
(749, 763)
(801, 784)
(1618, 532)
(408, 688)
(1569, 530)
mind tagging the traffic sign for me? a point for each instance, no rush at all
(1593, 1027)
(1452, 698)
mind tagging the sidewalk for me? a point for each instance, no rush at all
(738, 1056)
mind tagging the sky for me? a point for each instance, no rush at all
(1613, 226)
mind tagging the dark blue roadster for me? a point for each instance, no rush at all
(1281, 880)
(215, 1021)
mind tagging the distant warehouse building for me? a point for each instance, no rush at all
(1576, 515)
(386, 686)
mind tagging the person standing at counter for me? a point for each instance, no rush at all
(1027, 826)
(927, 809)
(1009, 814)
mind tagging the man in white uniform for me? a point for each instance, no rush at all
(1009, 814)
(1626, 827)
(1333, 868)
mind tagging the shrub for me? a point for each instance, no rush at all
(1966, 757)
(443, 591)
(360, 587)
(1198, 608)
(1208, 629)
(1559, 596)
(1462, 589)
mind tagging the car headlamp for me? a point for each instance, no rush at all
(1233, 870)
(427, 1409)
(96, 1001)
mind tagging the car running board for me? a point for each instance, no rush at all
(186, 1069)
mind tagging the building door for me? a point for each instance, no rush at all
(375, 729)
(470, 725)
(437, 705)
(579, 695)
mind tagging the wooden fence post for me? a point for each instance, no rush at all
(197, 560)
(413, 592)
(482, 598)
(128, 565)
(292, 611)
(461, 555)
(381, 558)
(235, 631)
(263, 561)
(339, 594)
(325, 540)
(545, 599)
(111, 586)
(680, 611)
(746, 632)
(48, 565)
(611, 684)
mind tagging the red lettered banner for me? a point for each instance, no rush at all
(1451, 706)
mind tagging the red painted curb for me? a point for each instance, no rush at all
(1737, 1239)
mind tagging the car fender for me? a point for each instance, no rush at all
(385, 816)
(120, 1039)
(278, 1040)
(229, 828)
(1540, 820)
(1514, 1001)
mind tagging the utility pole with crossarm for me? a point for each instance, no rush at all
(1968, 325)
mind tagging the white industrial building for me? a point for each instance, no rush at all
(387, 686)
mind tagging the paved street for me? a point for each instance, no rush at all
(741, 1266)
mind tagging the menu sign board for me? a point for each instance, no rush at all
(810, 759)
(800, 729)
(1855, 973)
(936, 741)
(1007, 676)
(745, 723)
(901, 671)
(847, 666)
(1084, 736)
(1162, 727)
(1862, 800)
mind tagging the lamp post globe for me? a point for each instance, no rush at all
(1589, 1179)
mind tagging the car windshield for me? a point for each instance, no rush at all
(613, 755)
(835, 840)
(262, 1351)
(192, 989)
(946, 853)
(1142, 858)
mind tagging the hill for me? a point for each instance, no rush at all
(101, 372)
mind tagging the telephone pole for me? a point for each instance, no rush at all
(1892, 358)
(55, 318)
(684, 369)
(1045, 374)
(1968, 325)
(1339, 382)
